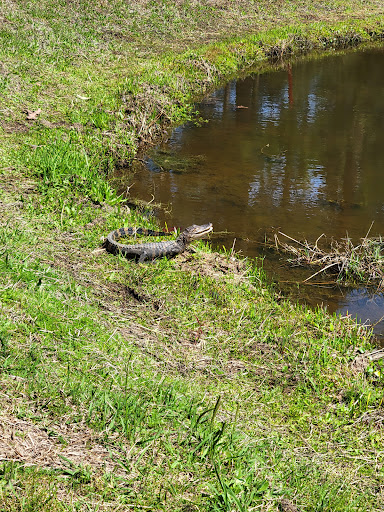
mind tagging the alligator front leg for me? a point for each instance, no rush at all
(147, 255)
(143, 256)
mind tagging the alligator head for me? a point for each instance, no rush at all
(195, 232)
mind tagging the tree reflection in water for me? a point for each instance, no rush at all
(305, 153)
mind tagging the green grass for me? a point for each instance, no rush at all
(207, 389)
(185, 385)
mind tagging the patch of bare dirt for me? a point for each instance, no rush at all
(212, 264)
(375, 418)
(61, 124)
(264, 350)
(15, 127)
(361, 361)
(23, 441)
(235, 366)
(7, 184)
(287, 506)
(110, 35)
(55, 445)
(96, 222)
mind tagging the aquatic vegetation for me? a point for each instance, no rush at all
(349, 262)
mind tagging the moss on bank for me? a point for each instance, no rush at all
(184, 385)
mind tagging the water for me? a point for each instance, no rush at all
(300, 149)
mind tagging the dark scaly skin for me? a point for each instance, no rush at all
(153, 250)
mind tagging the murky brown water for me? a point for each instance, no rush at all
(300, 149)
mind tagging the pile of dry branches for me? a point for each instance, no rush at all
(363, 262)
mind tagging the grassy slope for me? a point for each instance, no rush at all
(183, 385)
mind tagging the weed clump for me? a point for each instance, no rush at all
(361, 263)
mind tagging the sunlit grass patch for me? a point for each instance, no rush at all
(142, 379)
(201, 388)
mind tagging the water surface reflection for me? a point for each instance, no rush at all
(300, 149)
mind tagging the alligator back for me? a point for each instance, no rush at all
(144, 251)
(153, 250)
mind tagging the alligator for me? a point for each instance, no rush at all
(154, 250)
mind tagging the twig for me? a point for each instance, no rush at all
(233, 248)
(369, 230)
(293, 239)
(322, 270)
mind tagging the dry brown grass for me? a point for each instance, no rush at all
(362, 262)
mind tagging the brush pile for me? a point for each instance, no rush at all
(363, 262)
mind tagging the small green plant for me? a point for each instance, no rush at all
(78, 473)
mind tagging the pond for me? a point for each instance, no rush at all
(300, 150)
